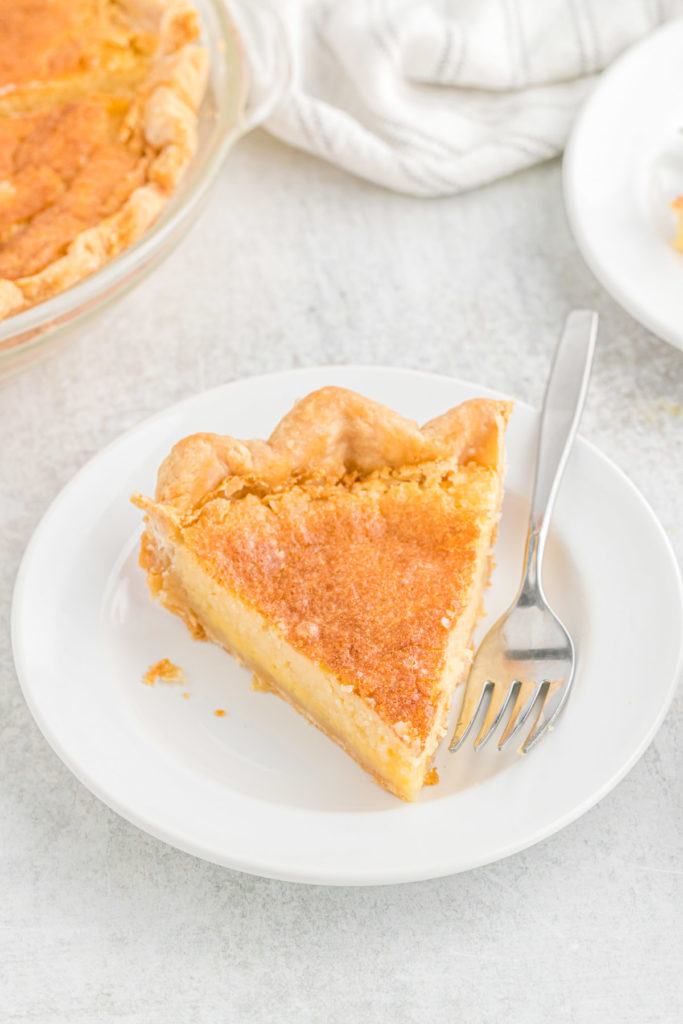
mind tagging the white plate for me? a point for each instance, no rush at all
(622, 169)
(260, 789)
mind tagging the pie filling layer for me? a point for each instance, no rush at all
(352, 592)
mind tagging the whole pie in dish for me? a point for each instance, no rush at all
(98, 111)
(343, 561)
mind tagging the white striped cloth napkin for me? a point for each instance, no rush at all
(432, 97)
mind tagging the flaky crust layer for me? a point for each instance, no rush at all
(160, 124)
(328, 434)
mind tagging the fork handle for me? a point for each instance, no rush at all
(562, 407)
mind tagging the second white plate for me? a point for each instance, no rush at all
(623, 167)
(261, 790)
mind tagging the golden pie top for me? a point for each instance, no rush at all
(352, 530)
(98, 104)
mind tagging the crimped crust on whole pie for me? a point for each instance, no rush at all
(98, 110)
(343, 561)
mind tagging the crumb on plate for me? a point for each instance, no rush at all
(165, 672)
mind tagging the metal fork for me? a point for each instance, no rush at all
(527, 658)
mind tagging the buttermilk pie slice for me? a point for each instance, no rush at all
(343, 562)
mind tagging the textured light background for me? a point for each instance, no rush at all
(293, 263)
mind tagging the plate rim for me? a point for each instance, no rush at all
(573, 154)
(325, 875)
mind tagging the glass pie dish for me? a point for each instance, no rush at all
(224, 116)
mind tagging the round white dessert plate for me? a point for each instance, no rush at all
(623, 167)
(261, 790)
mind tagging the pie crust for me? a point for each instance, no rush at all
(343, 561)
(98, 112)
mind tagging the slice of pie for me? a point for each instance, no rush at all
(98, 111)
(343, 562)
